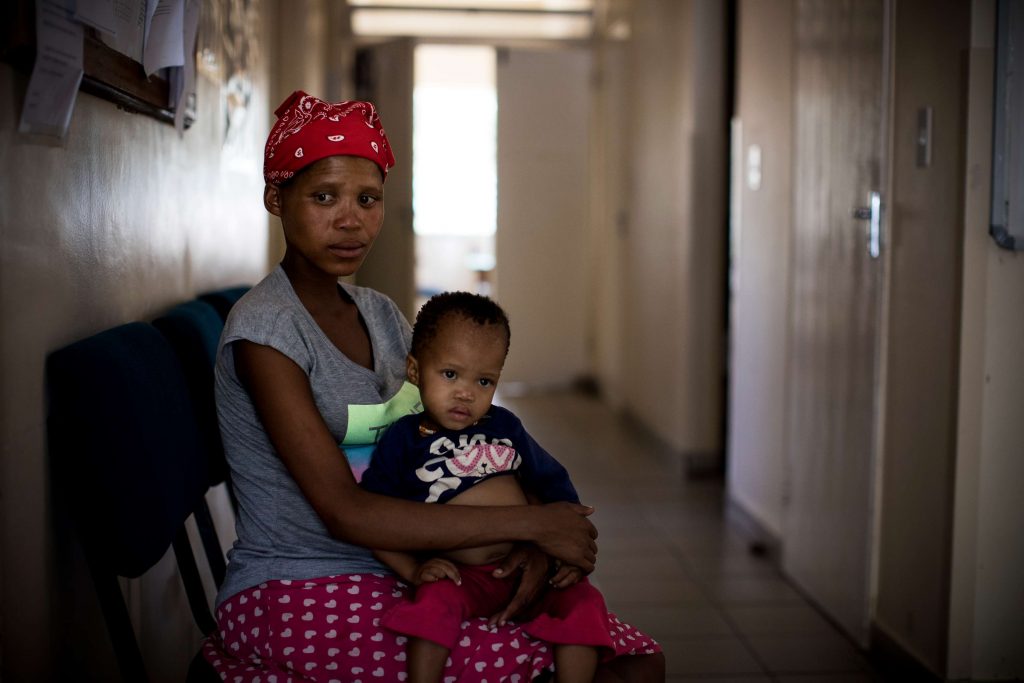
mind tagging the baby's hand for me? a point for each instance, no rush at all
(565, 576)
(435, 569)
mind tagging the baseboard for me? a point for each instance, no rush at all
(704, 465)
(761, 541)
(895, 662)
(890, 658)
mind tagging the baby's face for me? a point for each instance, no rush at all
(459, 371)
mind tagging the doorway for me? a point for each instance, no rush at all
(455, 186)
(538, 191)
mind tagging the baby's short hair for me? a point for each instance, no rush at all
(473, 307)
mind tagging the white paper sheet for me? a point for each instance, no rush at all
(96, 13)
(185, 96)
(164, 46)
(53, 86)
(130, 27)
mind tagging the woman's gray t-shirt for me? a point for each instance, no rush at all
(280, 536)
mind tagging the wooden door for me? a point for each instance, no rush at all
(839, 110)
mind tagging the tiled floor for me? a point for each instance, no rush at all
(671, 564)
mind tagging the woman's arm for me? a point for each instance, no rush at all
(402, 564)
(283, 400)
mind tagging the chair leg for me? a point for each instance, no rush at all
(119, 624)
(211, 543)
(193, 582)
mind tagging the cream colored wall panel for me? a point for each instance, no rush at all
(391, 265)
(999, 562)
(655, 251)
(608, 219)
(986, 596)
(971, 379)
(541, 245)
(999, 592)
(674, 245)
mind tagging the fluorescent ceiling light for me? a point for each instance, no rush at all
(521, 5)
(367, 21)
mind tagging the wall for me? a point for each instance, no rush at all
(673, 249)
(949, 556)
(608, 206)
(541, 245)
(119, 223)
(390, 267)
(305, 69)
(986, 594)
(923, 329)
(760, 261)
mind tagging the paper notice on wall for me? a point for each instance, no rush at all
(96, 13)
(129, 35)
(184, 86)
(164, 45)
(57, 73)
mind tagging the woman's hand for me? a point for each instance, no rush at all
(284, 402)
(532, 564)
(535, 567)
(563, 531)
(436, 569)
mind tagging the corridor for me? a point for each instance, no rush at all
(670, 563)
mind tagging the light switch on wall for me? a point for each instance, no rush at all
(924, 137)
(754, 167)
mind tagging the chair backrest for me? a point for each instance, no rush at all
(126, 452)
(223, 299)
(193, 330)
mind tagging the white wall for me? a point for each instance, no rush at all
(986, 595)
(541, 246)
(608, 211)
(674, 134)
(119, 223)
(760, 277)
(390, 266)
(305, 23)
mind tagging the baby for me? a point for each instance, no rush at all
(463, 450)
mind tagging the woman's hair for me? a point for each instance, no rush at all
(473, 307)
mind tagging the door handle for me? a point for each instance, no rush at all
(873, 214)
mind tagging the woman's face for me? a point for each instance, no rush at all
(331, 212)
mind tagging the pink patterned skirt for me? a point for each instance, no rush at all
(328, 629)
(572, 616)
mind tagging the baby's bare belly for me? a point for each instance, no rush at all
(502, 490)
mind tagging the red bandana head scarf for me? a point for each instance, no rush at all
(309, 129)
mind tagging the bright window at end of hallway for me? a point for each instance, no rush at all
(455, 112)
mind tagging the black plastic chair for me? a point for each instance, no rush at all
(126, 453)
(193, 330)
(223, 299)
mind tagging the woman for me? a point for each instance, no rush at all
(307, 364)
